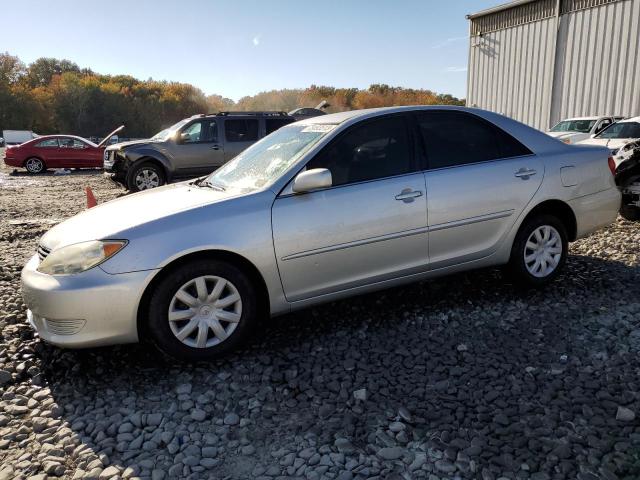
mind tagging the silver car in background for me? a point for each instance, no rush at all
(321, 209)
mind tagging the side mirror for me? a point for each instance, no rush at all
(312, 180)
(184, 137)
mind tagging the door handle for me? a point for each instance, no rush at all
(525, 173)
(215, 147)
(407, 195)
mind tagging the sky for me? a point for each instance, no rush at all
(242, 47)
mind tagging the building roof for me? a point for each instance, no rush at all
(498, 8)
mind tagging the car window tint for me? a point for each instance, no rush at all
(458, 138)
(372, 150)
(66, 142)
(273, 124)
(193, 133)
(50, 143)
(241, 130)
(212, 131)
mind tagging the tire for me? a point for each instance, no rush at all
(145, 176)
(176, 295)
(531, 272)
(630, 212)
(35, 165)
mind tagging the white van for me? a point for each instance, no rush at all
(16, 137)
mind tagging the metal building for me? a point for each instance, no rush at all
(540, 61)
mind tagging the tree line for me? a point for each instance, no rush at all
(57, 96)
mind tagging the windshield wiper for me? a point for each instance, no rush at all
(214, 186)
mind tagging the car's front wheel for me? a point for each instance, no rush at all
(34, 165)
(539, 251)
(202, 310)
(145, 176)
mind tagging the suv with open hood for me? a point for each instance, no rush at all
(194, 146)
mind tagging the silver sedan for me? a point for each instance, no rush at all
(325, 208)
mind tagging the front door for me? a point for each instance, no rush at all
(74, 153)
(370, 226)
(479, 180)
(197, 149)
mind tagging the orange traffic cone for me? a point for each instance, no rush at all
(91, 199)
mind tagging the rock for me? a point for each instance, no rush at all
(5, 377)
(109, 472)
(157, 474)
(231, 419)
(154, 419)
(625, 414)
(344, 446)
(360, 394)
(391, 453)
(405, 414)
(199, 415)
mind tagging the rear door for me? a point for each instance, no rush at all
(369, 226)
(479, 180)
(239, 133)
(49, 151)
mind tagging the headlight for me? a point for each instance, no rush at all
(80, 256)
(567, 141)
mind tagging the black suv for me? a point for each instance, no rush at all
(194, 146)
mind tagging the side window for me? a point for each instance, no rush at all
(51, 143)
(372, 150)
(241, 130)
(458, 138)
(273, 124)
(66, 142)
(193, 133)
(78, 144)
(212, 131)
(603, 124)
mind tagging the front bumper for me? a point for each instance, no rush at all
(88, 309)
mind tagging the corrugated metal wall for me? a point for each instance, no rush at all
(537, 67)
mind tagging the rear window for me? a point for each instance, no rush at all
(273, 124)
(241, 130)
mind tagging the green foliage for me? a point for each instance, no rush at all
(57, 96)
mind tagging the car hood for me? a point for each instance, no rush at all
(611, 143)
(566, 135)
(109, 220)
(130, 143)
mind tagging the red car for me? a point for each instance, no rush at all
(57, 151)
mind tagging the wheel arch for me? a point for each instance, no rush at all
(559, 209)
(238, 260)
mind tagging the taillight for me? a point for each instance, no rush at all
(612, 166)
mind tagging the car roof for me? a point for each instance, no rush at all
(632, 119)
(341, 117)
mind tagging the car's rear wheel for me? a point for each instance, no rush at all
(35, 165)
(145, 176)
(539, 251)
(202, 310)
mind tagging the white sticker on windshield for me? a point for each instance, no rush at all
(319, 128)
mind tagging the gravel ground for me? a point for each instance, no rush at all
(460, 377)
